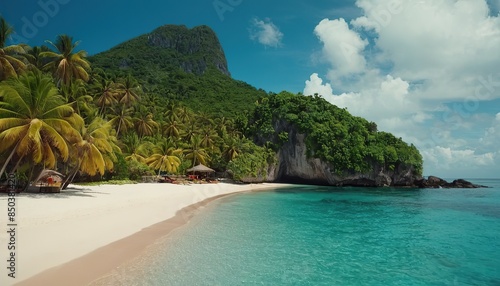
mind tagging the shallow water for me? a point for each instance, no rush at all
(333, 236)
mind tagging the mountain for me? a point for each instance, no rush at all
(178, 63)
(303, 139)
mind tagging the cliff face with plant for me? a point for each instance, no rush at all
(319, 143)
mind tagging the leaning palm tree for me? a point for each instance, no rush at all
(35, 121)
(97, 149)
(165, 157)
(66, 64)
(95, 153)
(11, 60)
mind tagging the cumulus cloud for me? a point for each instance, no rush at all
(266, 33)
(435, 65)
(341, 47)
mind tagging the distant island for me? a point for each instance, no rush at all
(164, 102)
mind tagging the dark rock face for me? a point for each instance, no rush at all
(435, 182)
(195, 49)
(294, 166)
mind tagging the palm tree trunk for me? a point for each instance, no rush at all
(70, 177)
(118, 129)
(8, 159)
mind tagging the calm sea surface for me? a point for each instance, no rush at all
(333, 236)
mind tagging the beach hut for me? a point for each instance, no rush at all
(199, 170)
(49, 181)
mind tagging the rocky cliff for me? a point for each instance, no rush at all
(294, 165)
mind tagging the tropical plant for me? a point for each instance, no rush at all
(35, 121)
(66, 64)
(11, 60)
(145, 125)
(121, 119)
(128, 91)
(165, 157)
(195, 152)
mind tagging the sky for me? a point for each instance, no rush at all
(427, 71)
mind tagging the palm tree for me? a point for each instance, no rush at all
(209, 136)
(129, 91)
(105, 93)
(65, 63)
(95, 153)
(35, 121)
(196, 153)
(11, 62)
(121, 119)
(145, 125)
(136, 148)
(172, 128)
(34, 57)
(97, 150)
(165, 157)
(233, 146)
(76, 93)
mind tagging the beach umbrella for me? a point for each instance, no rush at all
(200, 169)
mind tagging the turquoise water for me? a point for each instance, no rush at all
(335, 236)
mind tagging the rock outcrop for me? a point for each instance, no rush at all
(295, 166)
(436, 182)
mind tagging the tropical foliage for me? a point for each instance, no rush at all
(126, 113)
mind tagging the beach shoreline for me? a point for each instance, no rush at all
(82, 234)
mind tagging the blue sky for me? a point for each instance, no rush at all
(427, 71)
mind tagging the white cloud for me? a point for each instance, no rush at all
(341, 47)
(435, 66)
(266, 33)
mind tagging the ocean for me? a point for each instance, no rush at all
(311, 235)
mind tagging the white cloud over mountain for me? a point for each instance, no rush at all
(423, 70)
(266, 33)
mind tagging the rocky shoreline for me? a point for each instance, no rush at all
(436, 182)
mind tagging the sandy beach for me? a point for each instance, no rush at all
(84, 232)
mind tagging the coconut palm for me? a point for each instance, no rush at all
(195, 152)
(66, 64)
(145, 125)
(136, 148)
(105, 93)
(209, 137)
(128, 91)
(121, 119)
(97, 150)
(172, 128)
(35, 121)
(76, 93)
(34, 57)
(233, 146)
(165, 157)
(11, 60)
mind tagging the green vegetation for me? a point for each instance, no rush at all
(350, 143)
(162, 102)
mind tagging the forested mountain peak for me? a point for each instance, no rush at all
(170, 47)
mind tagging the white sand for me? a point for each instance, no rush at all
(56, 228)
